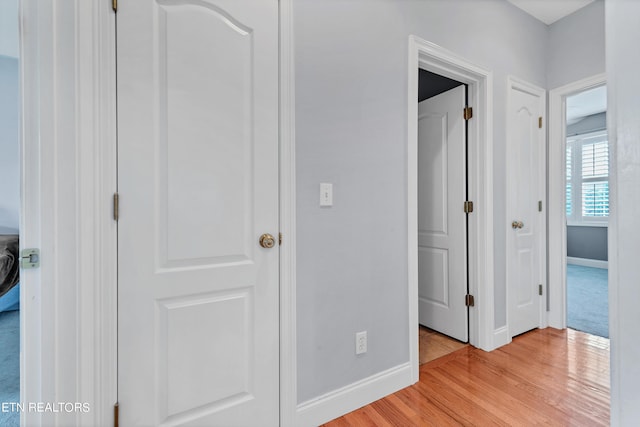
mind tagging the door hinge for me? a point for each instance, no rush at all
(468, 206)
(539, 122)
(114, 5)
(469, 301)
(467, 113)
(539, 289)
(539, 205)
(116, 414)
(280, 238)
(116, 206)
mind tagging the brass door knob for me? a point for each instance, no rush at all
(267, 241)
(517, 224)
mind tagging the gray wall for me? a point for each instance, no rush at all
(592, 123)
(9, 28)
(9, 118)
(9, 146)
(576, 46)
(351, 130)
(587, 242)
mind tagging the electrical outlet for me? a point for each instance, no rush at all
(361, 342)
(326, 194)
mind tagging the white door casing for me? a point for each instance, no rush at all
(431, 57)
(442, 222)
(198, 335)
(526, 193)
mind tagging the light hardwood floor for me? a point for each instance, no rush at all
(434, 345)
(546, 376)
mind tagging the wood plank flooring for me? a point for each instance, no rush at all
(434, 345)
(546, 377)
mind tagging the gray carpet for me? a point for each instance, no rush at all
(588, 299)
(9, 365)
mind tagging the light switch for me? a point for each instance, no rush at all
(326, 194)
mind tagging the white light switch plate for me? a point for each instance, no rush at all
(326, 194)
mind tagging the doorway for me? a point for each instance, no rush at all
(424, 55)
(587, 211)
(561, 200)
(442, 225)
(442, 191)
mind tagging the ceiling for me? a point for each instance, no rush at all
(549, 11)
(586, 103)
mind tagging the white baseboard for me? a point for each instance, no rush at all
(349, 398)
(501, 337)
(595, 263)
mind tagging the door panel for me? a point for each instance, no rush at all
(189, 382)
(198, 183)
(205, 94)
(442, 223)
(525, 188)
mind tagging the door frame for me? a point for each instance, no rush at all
(288, 316)
(431, 57)
(68, 176)
(523, 85)
(556, 220)
(68, 152)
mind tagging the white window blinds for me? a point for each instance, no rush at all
(587, 183)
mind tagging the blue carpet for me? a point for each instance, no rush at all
(9, 365)
(588, 299)
(11, 300)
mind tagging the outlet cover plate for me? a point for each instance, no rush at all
(361, 342)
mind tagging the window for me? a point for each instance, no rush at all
(587, 190)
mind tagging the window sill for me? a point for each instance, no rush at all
(604, 224)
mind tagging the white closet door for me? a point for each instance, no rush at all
(526, 186)
(442, 222)
(198, 332)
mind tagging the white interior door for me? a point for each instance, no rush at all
(198, 320)
(525, 190)
(442, 222)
